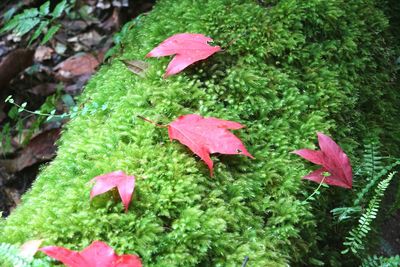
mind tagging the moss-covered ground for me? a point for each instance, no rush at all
(289, 69)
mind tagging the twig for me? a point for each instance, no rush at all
(152, 122)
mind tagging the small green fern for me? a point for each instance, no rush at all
(371, 170)
(9, 257)
(372, 182)
(370, 185)
(40, 18)
(379, 261)
(372, 159)
(355, 241)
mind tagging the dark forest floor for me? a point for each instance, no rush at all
(49, 77)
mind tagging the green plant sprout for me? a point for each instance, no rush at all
(40, 18)
(92, 108)
(43, 116)
(316, 191)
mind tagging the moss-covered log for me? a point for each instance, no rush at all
(289, 68)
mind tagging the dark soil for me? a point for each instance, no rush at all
(390, 243)
(390, 226)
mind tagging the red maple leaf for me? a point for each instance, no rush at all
(333, 161)
(124, 183)
(205, 136)
(98, 254)
(187, 48)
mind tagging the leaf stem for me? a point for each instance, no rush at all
(315, 191)
(152, 122)
(37, 112)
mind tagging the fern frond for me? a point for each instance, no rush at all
(345, 213)
(370, 166)
(22, 23)
(9, 257)
(367, 188)
(355, 241)
(379, 261)
(39, 18)
(372, 160)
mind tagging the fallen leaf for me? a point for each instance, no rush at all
(136, 66)
(43, 53)
(4, 203)
(125, 185)
(120, 3)
(205, 136)
(187, 48)
(333, 161)
(14, 37)
(77, 87)
(75, 25)
(79, 64)
(13, 195)
(90, 39)
(9, 199)
(40, 148)
(113, 22)
(29, 248)
(5, 177)
(60, 48)
(98, 254)
(43, 89)
(12, 64)
(103, 4)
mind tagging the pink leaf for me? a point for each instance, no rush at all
(29, 248)
(332, 159)
(335, 160)
(125, 185)
(205, 136)
(98, 254)
(68, 257)
(127, 261)
(187, 48)
(310, 155)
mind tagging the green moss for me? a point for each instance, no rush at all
(292, 68)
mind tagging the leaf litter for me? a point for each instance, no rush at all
(47, 75)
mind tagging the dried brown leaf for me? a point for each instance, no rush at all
(43, 53)
(79, 64)
(40, 148)
(12, 64)
(43, 89)
(138, 67)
